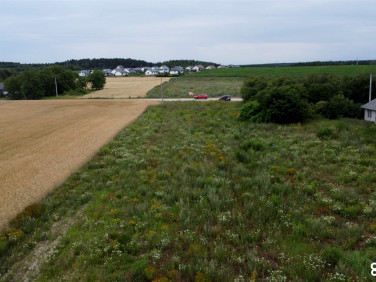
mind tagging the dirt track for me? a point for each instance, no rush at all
(43, 142)
(126, 87)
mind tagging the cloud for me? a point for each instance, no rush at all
(222, 31)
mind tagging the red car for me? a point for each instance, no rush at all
(201, 96)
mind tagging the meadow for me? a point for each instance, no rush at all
(179, 87)
(228, 81)
(190, 193)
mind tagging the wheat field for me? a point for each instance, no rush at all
(43, 142)
(127, 87)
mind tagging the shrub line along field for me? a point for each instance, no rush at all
(43, 142)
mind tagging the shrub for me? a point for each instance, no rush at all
(253, 144)
(250, 111)
(285, 104)
(97, 79)
(331, 255)
(251, 87)
(338, 107)
(32, 210)
(326, 132)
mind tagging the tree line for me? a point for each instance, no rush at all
(8, 69)
(290, 100)
(36, 84)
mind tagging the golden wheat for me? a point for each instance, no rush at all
(125, 87)
(43, 142)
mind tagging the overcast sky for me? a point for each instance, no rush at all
(221, 31)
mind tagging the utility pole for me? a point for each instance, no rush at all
(161, 90)
(56, 87)
(370, 87)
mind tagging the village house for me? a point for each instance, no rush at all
(164, 69)
(197, 68)
(84, 73)
(120, 71)
(107, 72)
(370, 111)
(210, 67)
(151, 72)
(177, 70)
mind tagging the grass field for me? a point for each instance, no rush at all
(212, 86)
(126, 87)
(289, 71)
(43, 142)
(219, 82)
(189, 193)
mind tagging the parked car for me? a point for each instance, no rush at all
(201, 96)
(225, 98)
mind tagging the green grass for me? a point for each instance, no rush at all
(212, 86)
(219, 82)
(289, 71)
(190, 193)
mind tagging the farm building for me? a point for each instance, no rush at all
(370, 111)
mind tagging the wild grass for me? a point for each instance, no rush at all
(212, 86)
(189, 193)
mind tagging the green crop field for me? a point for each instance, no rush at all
(190, 193)
(289, 71)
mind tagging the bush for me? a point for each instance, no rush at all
(252, 87)
(97, 79)
(338, 107)
(254, 145)
(285, 104)
(325, 133)
(250, 111)
(331, 255)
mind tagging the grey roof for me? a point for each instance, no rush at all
(370, 105)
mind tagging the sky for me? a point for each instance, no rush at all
(221, 31)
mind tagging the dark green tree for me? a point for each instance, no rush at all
(285, 104)
(13, 86)
(66, 80)
(97, 79)
(252, 86)
(339, 106)
(31, 84)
